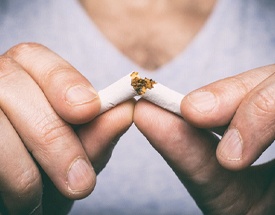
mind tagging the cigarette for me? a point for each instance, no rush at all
(116, 93)
(164, 97)
(132, 85)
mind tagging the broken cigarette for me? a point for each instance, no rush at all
(116, 93)
(132, 85)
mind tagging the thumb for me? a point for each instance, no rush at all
(191, 154)
(214, 105)
(244, 102)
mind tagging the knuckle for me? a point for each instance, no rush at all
(5, 62)
(29, 182)
(7, 66)
(241, 84)
(263, 102)
(55, 72)
(46, 71)
(51, 128)
(261, 112)
(22, 48)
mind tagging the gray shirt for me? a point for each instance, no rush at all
(239, 36)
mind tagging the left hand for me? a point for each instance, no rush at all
(190, 152)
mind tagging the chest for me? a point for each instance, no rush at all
(153, 40)
(153, 44)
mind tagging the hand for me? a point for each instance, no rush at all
(190, 152)
(98, 139)
(245, 105)
(41, 95)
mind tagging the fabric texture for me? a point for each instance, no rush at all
(238, 36)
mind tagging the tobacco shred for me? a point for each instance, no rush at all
(140, 85)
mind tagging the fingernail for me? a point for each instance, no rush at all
(203, 101)
(80, 176)
(231, 145)
(79, 94)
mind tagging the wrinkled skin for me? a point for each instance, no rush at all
(191, 153)
(218, 173)
(42, 98)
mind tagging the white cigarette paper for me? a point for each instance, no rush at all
(116, 93)
(132, 85)
(164, 97)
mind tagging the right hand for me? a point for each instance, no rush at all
(40, 96)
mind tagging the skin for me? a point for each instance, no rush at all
(149, 32)
(191, 153)
(47, 95)
(43, 92)
(61, 129)
(239, 105)
(248, 117)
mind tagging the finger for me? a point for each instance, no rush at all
(189, 151)
(252, 128)
(215, 105)
(171, 137)
(51, 141)
(20, 181)
(71, 95)
(99, 137)
(191, 154)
